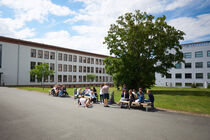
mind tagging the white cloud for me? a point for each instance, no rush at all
(177, 3)
(195, 28)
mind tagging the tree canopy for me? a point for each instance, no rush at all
(141, 46)
(91, 77)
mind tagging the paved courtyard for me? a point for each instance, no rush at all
(29, 115)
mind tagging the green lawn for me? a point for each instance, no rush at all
(194, 100)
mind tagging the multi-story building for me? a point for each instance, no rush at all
(71, 67)
(195, 70)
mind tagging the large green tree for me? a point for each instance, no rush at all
(40, 71)
(141, 46)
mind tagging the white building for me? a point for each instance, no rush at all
(18, 57)
(196, 69)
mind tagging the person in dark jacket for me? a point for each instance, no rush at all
(151, 98)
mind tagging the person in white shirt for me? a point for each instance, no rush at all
(83, 102)
(101, 94)
(92, 97)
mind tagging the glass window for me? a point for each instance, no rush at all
(59, 78)
(51, 78)
(208, 75)
(74, 78)
(59, 67)
(178, 84)
(69, 78)
(199, 75)
(198, 54)
(46, 55)
(188, 75)
(188, 55)
(33, 65)
(84, 69)
(60, 56)
(188, 65)
(198, 64)
(39, 63)
(70, 58)
(88, 60)
(52, 66)
(208, 53)
(33, 53)
(96, 78)
(199, 84)
(100, 70)
(45, 78)
(65, 68)
(208, 64)
(80, 78)
(40, 54)
(80, 59)
(52, 55)
(92, 60)
(84, 78)
(74, 68)
(70, 68)
(96, 70)
(64, 78)
(96, 61)
(103, 62)
(80, 68)
(178, 75)
(178, 66)
(65, 57)
(84, 59)
(75, 58)
(100, 79)
(0, 55)
(32, 78)
(92, 69)
(168, 75)
(188, 84)
(88, 69)
(106, 78)
(103, 70)
(100, 62)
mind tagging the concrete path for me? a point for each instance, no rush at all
(28, 115)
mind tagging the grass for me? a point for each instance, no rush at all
(194, 100)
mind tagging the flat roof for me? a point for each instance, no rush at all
(45, 46)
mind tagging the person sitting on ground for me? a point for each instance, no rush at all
(151, 98)
(124, 96)
(61, 93)
(52, 91)
(95, 92)
(64, 90)
(83, 102)
(101, 94)
(131, 97)
(92, 97)
(141, 96)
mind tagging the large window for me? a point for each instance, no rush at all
(198, 54)
(84, 59)
(92, 60)
(59, 78)
(178, 65)
(40, 54)
(65, 57)
(188, 75)
(70, 58)
(88, 60)
(51, 78)
(92, 69)
(33, 53)
(208, 64)
(74, 78)
(80, 59)
(178, 75)
(84, 78)
(188, 65)
(0, 55)
(80, 68)
(65, 68)
(52, 55)
(178, 84)
(88, 69)
(74, 68)
(60, 56)
(208, 53)
(208, 75)
(199, 75)
(188, 55)
(33, 65)
(46, 55)
(69, 78)
(84, 69)
(198, 64)
(45, 78)
(64, 78)
(80, 78)
(32, 78)
(52, 66)
(75, 58)
(59, 67)
(70, 68)
(168, 76)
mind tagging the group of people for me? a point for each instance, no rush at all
(58, 90)
(133, 96)
(88, 95)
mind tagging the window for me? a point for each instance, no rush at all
(59, 78)
(92, 60)
(84, 69)
(100, 79)
(80, 68)
(46, 55)
(69, 78)
(88, 60)
(188, 84)
(103, 70)
(178, 84)
(103, 78)
(33, 65)
(96, 78)
(84, 59)
(88, 69)
(100, 62)
(103, 62)
(65, 68)
(45, 78)
(96, 70)
(188, 55)
(52, 66)
(70, 68)
(80, 78)
(199, 84)
(75, 58)
(64, 78)
(40, 54)
(198, 54)
(198, 64)
(96, 61)
(60, 56)
(33, 53)
(168, 76)
(199, 75)
(100, 70)
(51, 78)
(188, 65)
(188, 75)
(106, 78)
(52, 55)
(70, 58)
(208, 53)
(178, 66)
(208, 64)
(84, 78)
(59, 67)
(74, 78)
(74, 68)
(39, 63)
(32, 78)
(65, 57)
(178, 75)
(0, 55)
(80, 59)
(208, 75)
(92, 69)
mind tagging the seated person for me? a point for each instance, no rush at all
(140, 97)
(151, 98)
(52, 91)
(83, 102)
(124, 95)
(63, 88)
(92, 97)
(135, 94)
(131, 97)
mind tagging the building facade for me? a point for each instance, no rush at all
(195, 70)
(71, 67)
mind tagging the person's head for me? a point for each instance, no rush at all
(130, 92)
(140, 90)
(105, 84)
(82, 95)
(124, 85)
(91, 92)
(134, 90)
(101, 86)
(148, 91)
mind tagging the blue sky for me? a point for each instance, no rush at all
(83, 24)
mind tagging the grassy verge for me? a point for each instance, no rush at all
(182, 99)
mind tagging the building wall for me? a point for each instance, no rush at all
(193, 47)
